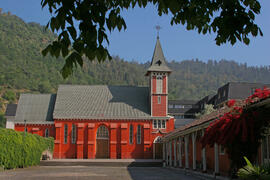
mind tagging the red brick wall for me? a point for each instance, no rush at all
(119, 146)
(159, 109)
(37, 129)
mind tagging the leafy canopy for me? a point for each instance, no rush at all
(231, 20)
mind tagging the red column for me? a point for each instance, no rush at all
(113, 140)
(57, 141)
(124, 136)
(91, 141)
(147, 142)
(80, 137)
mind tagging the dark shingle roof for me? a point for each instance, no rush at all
(158, 62)
(11, 110)
(35, 108)
(101, 102)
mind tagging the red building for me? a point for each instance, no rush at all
(100, 121)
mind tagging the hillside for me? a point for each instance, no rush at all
(23, 69)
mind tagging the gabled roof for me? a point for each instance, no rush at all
(11, 110)
(101, 102)
(158, 62)
(35, 108)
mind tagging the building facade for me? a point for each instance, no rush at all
(100, 121)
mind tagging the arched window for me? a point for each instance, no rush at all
(102, 132)
(46, 132)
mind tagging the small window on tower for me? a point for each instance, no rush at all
(159, 99)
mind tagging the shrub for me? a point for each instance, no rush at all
(253, 172)
(19, 149)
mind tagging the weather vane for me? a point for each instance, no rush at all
(158, 29)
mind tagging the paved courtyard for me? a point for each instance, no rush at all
(94, 173)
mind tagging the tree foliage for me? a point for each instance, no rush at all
(231, 20)
(22, 150)
(209, 108)
(23, 69)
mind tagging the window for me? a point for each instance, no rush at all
(46, 132)
(159, 124)
(65, 133)
(159, 100)
(73, 134)
(159, 84)
(131, 134)
(164, 124)
(224, 93)
(155, 124)
(102, 132)
(178, 106)
(170, 106)
(139, 134)
(179, 117)
(221, 150)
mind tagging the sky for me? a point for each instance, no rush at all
(138, 40)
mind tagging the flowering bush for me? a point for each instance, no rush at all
(241, 129)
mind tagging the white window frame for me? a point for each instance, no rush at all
(159, 124)
(139, 134)
(163, 124)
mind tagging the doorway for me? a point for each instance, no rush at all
(102, 142)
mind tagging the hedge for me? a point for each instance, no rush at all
(19, 149)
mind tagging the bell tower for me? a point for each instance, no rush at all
(158, 73)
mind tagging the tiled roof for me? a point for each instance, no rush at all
(101, 102)
(35, 108)
(11, 110)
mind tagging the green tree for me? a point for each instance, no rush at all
(2, 120)
(45, 87)
(231, 20)
(209, 108)
(9, 96)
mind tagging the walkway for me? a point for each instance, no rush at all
(94, 173)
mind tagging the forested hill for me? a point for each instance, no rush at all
(23, 68)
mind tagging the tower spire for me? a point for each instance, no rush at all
(158, 63)
(158, 27)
